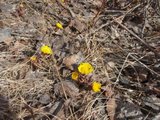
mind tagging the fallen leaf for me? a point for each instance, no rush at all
(73, 59)
(78, 25)
(6, 36)
(110, 66)
(66, 87)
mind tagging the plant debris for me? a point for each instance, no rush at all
(75, 59)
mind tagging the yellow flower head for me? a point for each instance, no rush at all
(59, 25)
(96, 86)
(74, 75)
(85, 68)
(46, 50)
(62, 1)
(33, 58)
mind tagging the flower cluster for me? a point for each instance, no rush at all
(80, 75)
(45, 50)
(84, 68)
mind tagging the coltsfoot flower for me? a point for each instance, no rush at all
(59, 25)
(96, 86)
(85, 68)
(75, 75)
(46, 50)
(33, 58)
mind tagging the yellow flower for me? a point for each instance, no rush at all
(33, 58)
(74, 75)
(96, 86)
(85, 68)
(46, 50)
(59, 25)
(62, 1)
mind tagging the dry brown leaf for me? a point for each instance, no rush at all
(73, 59)
(78, 25)
(111, 103)
(75, 26)
(66, 87)
(110, 66)
(6, 36)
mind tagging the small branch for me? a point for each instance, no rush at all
(138, 38)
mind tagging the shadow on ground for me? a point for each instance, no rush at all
(5, 112)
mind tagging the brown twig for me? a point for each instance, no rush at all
(136, 36)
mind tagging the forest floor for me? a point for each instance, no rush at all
(119, 38)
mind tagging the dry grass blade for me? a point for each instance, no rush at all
(119, 38)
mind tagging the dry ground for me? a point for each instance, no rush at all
(120, 38)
